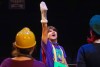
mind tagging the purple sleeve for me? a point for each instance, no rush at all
(45, 46)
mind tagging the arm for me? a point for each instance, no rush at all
(43, 9)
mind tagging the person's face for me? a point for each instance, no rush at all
(52, 35)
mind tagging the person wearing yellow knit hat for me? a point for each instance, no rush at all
(24, 45)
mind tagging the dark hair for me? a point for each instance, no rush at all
(52, 27)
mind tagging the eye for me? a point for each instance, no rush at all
(50, 30)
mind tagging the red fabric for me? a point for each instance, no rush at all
(43, 56)
(91, 38)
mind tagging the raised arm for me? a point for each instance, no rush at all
(44, 21)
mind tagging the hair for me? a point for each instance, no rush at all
(17, 52)
(52, 27)
(93, 36)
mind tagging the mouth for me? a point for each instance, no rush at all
(53, 35)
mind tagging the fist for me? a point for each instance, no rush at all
(43, 9)
(43, 6)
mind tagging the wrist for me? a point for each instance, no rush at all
(44, 21)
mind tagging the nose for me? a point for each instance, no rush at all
(53, 31)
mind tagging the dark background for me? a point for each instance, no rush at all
(70, 17)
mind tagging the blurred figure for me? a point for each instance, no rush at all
(53, 54)
(89, 54)
(24, 45)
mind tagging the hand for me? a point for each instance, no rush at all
(43, 9)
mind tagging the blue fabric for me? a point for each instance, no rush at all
(49, 53)
(40, 54)
(59, 54)
(89, 55)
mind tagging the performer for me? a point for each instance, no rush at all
(23, 48)
(53, 54)
(89, 54)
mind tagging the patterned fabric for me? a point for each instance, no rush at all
(48, 53)
(59, 54)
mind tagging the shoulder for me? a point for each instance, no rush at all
(5, 62)
(86, 46)
(61, 47)
(48, 42)
(39, 63)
